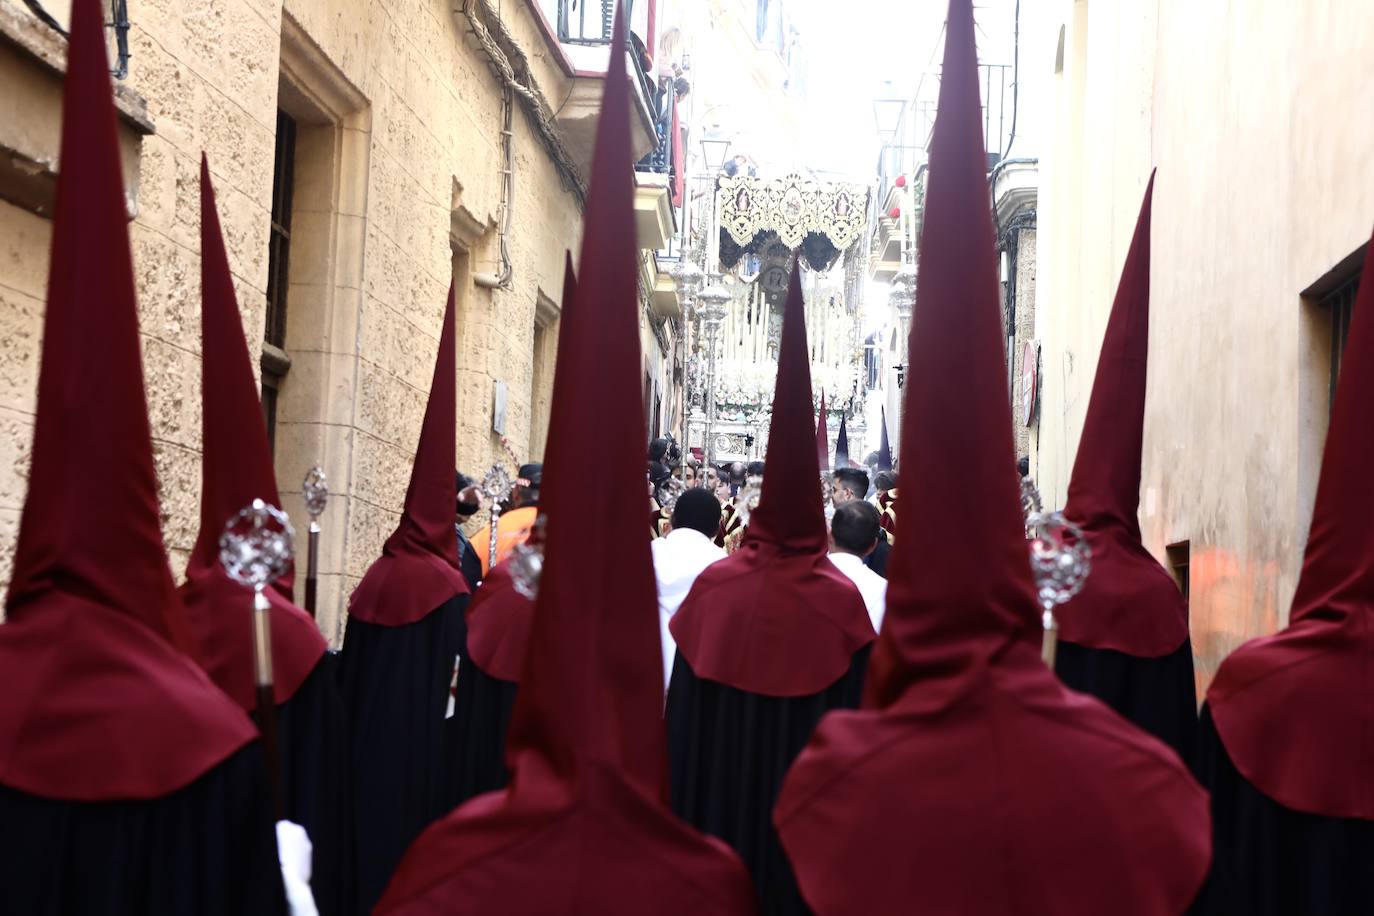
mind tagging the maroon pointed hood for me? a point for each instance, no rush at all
(1294, 709)
(884, 448)
(1130, 603)
(236, 468)
(499, 617)
(418, 569)
(586, 809)
(776, 617)
(822, 434)
(94, 661)
(963, 725)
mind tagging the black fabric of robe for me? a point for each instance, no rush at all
(395, 683)
(316, 789)
(728, 751)
(475, 734)
(209, 848)
(1268, 860)
(877, 560)
(1157, 694)
(469, 562)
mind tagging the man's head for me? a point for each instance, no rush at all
(886, 480)
(854, 529)
(755, 469)
(526, 489)
(469, 500)
(690, 475)
(848, 484)
(697, 510)
(722, 488)
(1023, 466)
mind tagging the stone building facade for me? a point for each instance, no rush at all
(361, 150)
(1263, 203)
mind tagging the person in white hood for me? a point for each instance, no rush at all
(680, 557)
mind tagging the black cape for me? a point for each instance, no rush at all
(1157, 694)
(475, 734)
(728, 751)
(395, 684)
(1268, 860)
(316, 789)
(209, 848)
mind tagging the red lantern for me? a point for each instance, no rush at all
(894, 213)
(901, 181)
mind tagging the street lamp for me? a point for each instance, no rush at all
(714, 153)
(714, 302)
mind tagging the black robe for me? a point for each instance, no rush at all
(475, 734)
(395, 683)
(316, 789)
(1268, 860)
(209, 848)
(1157, 694)
(728, 751)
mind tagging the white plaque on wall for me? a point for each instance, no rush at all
(498, 411)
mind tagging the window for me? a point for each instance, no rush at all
(586, 22)
(1340, 304)
(1179, 555)
(275, 361)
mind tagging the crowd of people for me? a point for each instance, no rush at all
(831, 712)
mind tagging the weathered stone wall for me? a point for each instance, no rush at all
(1261, 192)
(406, 173)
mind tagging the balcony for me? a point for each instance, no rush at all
(580, 35)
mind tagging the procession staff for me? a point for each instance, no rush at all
(129, 782)
(768, 641)
(583, 828)
(973, 781)
(405, 623)
(516, 519)
(497, 632)
(1287, 738)
(1124, 638)
(236, 468)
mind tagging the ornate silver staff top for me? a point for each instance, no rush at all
(1060, 562)
(496, 485)
(256, 547)
(315, 488)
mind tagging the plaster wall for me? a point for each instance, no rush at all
(401, 186)
(1265, 184)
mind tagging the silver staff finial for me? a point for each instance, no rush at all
(256, 548)
(315, 488)
(1060, 562)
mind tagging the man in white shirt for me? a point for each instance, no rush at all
(679, 558)
(854, 533)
